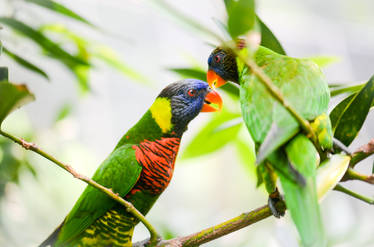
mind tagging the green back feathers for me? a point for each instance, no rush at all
(302, 84)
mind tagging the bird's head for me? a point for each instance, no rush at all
(182, 101)
(222, 67)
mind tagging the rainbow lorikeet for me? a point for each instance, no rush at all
(282, 149)
(139, 169)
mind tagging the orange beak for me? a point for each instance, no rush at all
(212, 102)
(214, 80)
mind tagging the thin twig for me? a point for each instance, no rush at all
(362, 153)
(219, 230)
(354, 194)
(353, 175)
(129, 207)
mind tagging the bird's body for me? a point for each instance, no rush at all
(282, 148)
(139, 170)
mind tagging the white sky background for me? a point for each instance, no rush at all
(205, 191)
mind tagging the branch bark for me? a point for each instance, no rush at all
(129, 207)
(219, 230)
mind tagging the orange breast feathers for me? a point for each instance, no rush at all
(157, 159)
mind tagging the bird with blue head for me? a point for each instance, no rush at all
(139, 169)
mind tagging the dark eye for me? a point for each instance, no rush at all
(217, 59)
(191, 92)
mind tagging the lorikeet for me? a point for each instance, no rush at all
(282, 148)
(139, 169)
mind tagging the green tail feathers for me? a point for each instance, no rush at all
(302, 201)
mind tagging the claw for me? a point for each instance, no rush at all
(273, 199)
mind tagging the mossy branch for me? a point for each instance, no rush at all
(217, 231)
(129, 207)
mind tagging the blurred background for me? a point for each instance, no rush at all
(81, 112)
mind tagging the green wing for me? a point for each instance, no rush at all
(120, 171)
(302, 84)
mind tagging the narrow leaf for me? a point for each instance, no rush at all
(241, 17)
(346, 89)
(108, 56)
(12, 97)
(190, 73)
(39, 38)
(268, 39)
(26, 64)
(218, 132)
(324, 61)
(349, 122)
(64, 111)
(59, 8)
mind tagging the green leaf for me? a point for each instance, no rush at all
(330, 172)
(218, 132)
(26, 64)
(12, 97)
(241, 17)
(341, 89)
(108, 56)
(4, 76)
(324, 61)
(339, 110)
(350, 115)
(53, 49)
(185, 20)
(190, 73)
(268, 39)
(302, 201)
(246, 151)
(64, 111)
(60, 9)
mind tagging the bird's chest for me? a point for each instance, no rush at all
(157, 159)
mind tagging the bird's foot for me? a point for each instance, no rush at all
(275, 198)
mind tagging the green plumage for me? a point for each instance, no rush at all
(95, 215)
(302, 84)
(275, 132)
(139, 169)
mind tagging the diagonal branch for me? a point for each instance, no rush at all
(129, 207)
(362, 153)
(217, 231)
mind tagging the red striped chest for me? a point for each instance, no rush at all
(157, 159)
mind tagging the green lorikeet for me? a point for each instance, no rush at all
(139, 169)
(282, 149)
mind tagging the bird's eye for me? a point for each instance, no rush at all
(191, 92)
(217, 59)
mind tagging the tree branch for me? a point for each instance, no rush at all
(362, 153)
(219, 230)
(129, 207)
(353, 175)
(354, 194)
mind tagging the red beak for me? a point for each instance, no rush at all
(214, 80)
(212, 102)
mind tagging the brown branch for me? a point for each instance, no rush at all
(362, 153)
(129, 207)
(219, 230)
